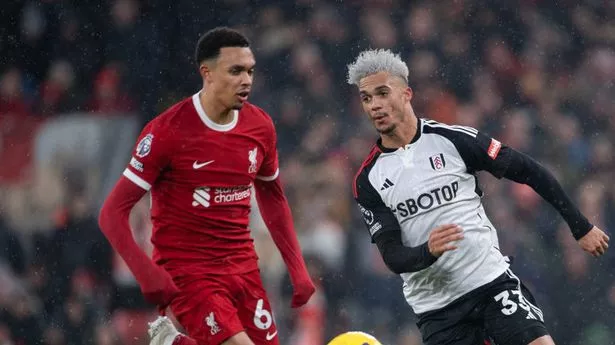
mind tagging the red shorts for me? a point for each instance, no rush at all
(213, 308)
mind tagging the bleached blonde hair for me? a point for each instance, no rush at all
(376, 60)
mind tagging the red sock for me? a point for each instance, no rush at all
(184, 340)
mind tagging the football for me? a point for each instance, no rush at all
(354, 338)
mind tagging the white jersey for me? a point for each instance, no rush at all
(428, 183)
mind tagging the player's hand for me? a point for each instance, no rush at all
(158, 287)
(594, 242)
(302, 291)
(441, 237)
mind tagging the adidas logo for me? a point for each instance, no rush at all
(387, 184)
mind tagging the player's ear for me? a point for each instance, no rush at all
(204, 70)
(408, 93)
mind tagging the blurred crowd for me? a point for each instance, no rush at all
(538, 75)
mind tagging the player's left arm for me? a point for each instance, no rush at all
(277, 216)
(485, 153)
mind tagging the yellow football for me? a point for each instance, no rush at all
(354, 338)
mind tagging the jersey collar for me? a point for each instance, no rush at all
(208, 122)
(419, 129)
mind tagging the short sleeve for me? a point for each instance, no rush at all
(150, 156)
(270, 170)
(376, 215)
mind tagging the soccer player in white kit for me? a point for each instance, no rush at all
(419, 197)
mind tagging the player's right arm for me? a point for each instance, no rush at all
(149, 158)
(386, 233)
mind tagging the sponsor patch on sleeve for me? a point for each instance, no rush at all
(375, 228)
(494, 148)
(138, 166)
(368, 216)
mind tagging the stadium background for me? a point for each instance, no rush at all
(78, 79)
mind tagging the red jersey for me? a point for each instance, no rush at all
(200, 174)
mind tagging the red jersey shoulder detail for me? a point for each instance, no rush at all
(256, 115)
(256, 109)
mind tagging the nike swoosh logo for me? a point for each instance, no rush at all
(197, 165)
(271, 336)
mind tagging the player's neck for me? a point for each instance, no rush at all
(216, 112)
(402, 135)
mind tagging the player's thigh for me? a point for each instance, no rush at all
(255, 311)
(458, 324)
(207, 312)
(511, 314)
(240, 338)
(458, 334)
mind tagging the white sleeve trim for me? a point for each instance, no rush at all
(269, 178)
(137, 180)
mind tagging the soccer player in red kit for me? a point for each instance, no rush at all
(200, 159)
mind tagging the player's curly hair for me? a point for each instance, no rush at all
(212, 41)
(376, 60)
